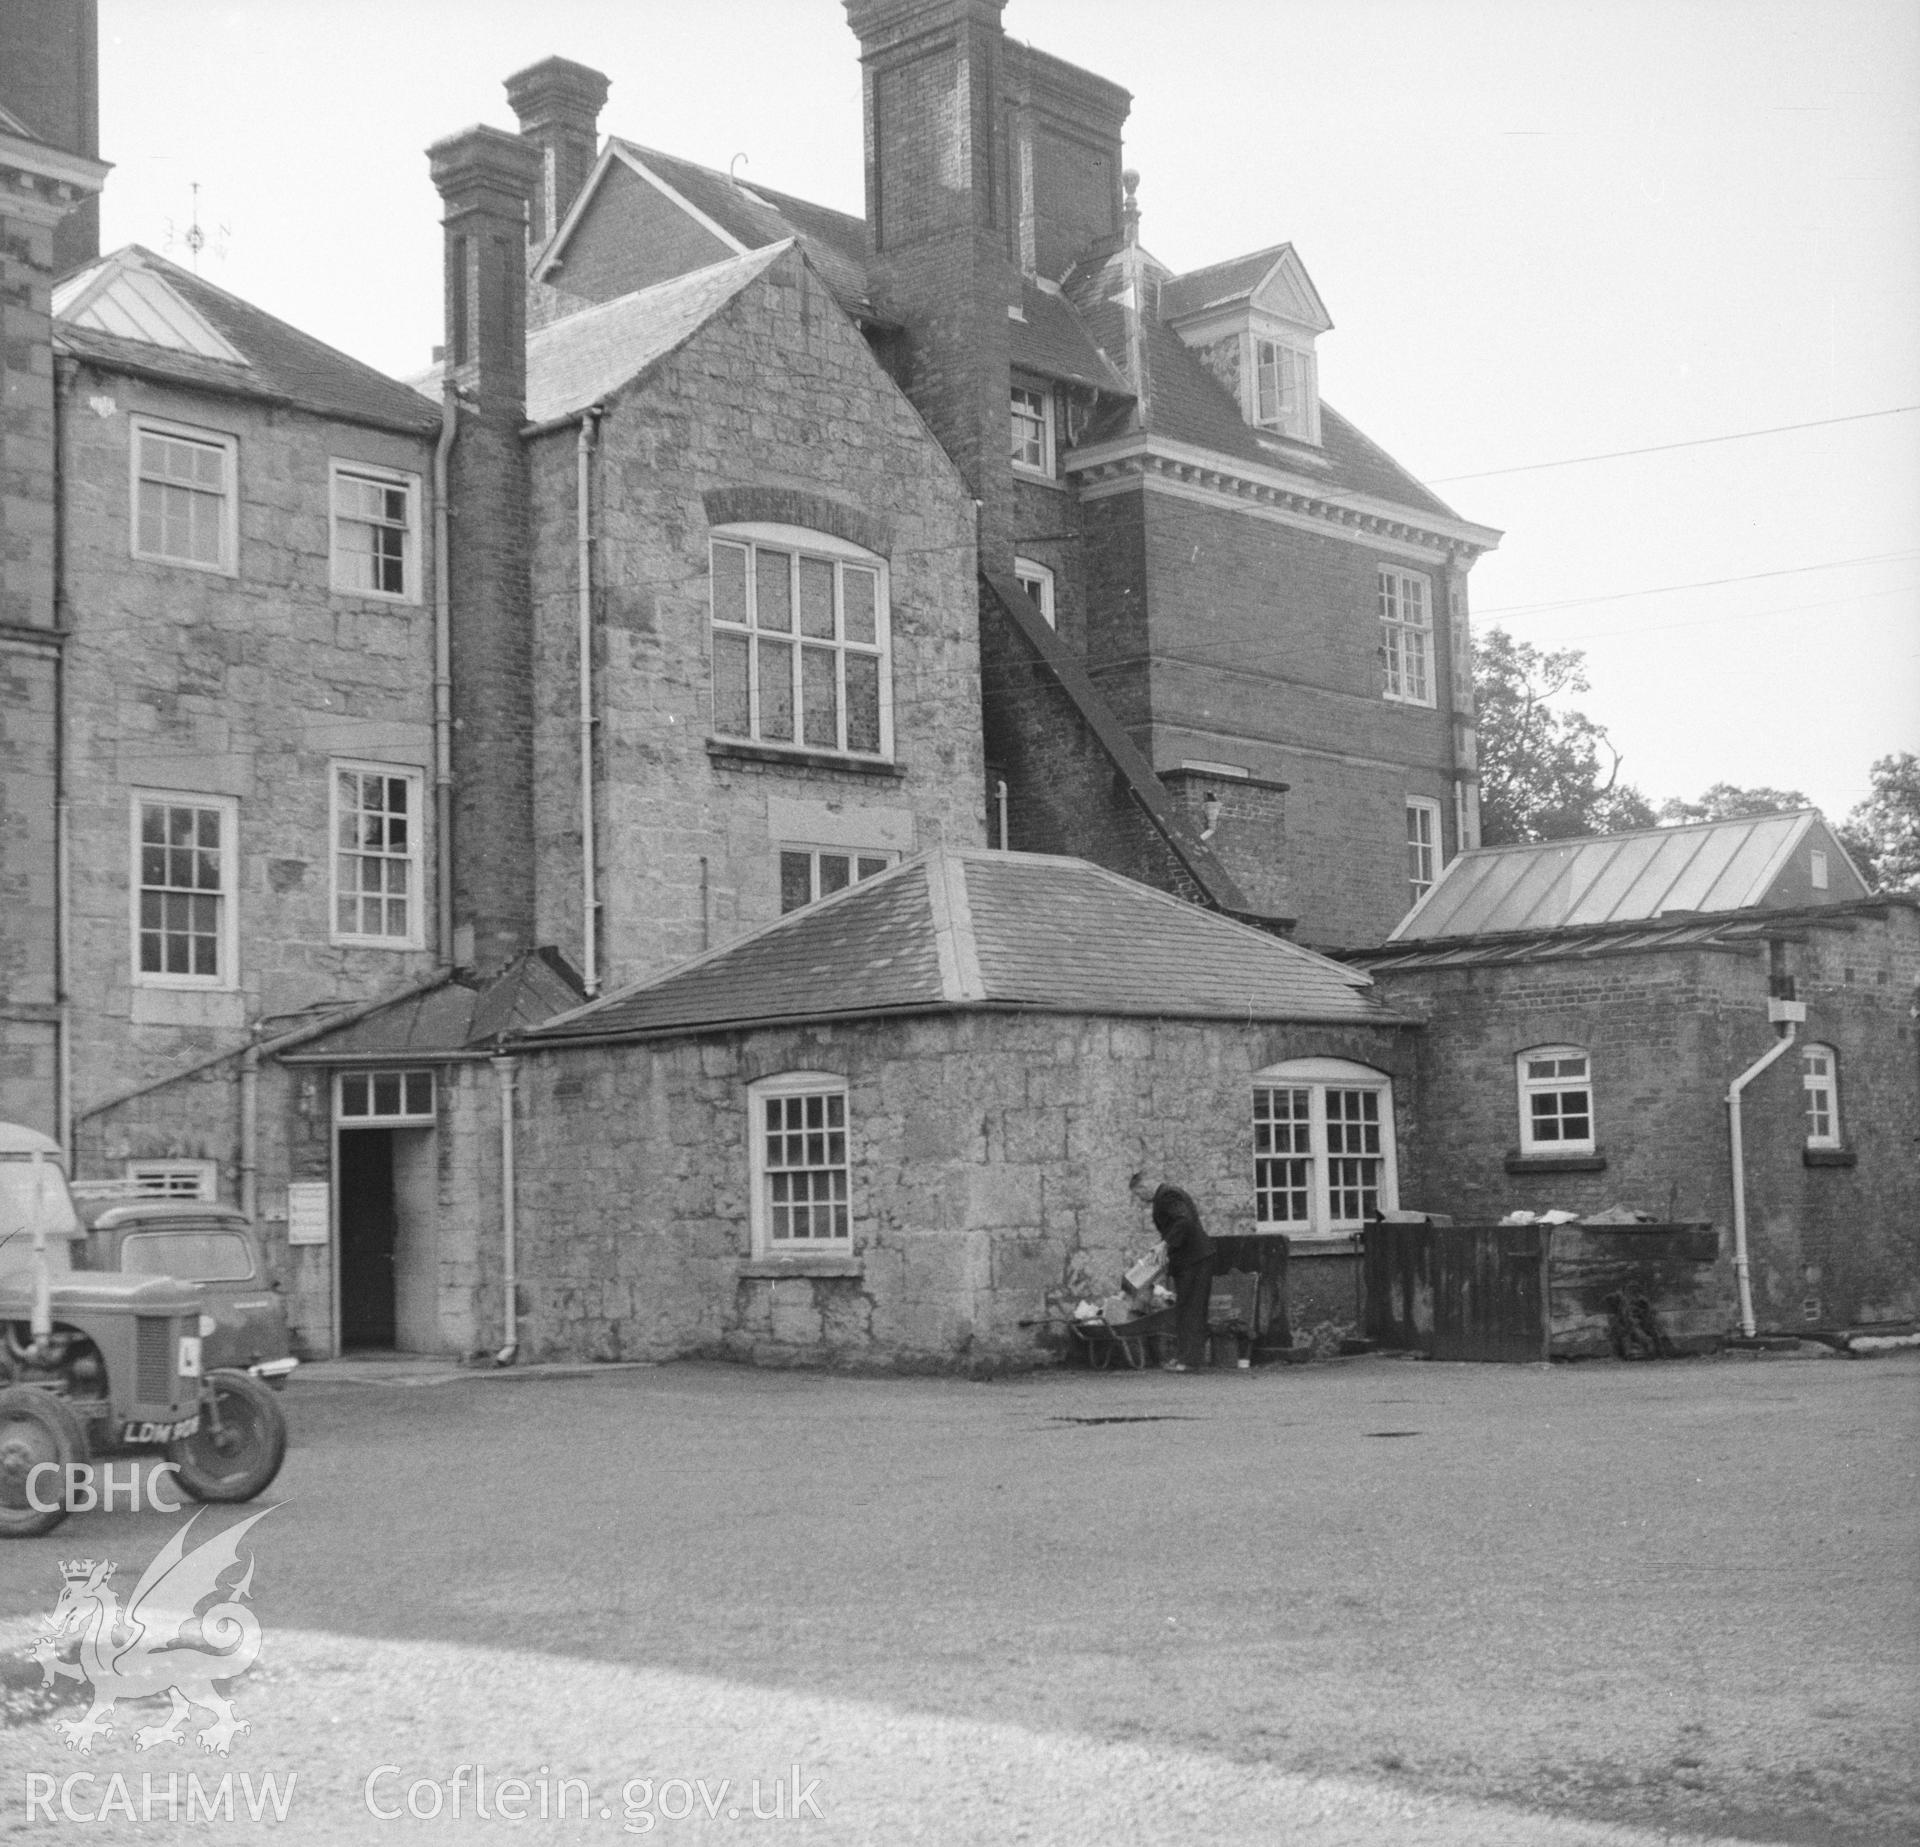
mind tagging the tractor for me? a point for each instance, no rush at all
(99, 1361)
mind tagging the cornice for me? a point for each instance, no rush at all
(1272, 493)
(41, 184)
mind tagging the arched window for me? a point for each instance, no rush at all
(1323, 1157)
(800, 641)
(1820, 1075)
(799, 1165)
(1556, 1100)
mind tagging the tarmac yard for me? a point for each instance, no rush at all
(1370, 1601)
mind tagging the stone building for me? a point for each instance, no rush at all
(896, 1128)
(1589, 1004)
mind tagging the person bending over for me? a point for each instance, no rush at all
(1189, 1262)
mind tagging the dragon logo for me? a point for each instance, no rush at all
(162, 1642)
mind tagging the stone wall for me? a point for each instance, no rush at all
(776, 411)
(989, 1155)
(1835, 1238)
(245, 686)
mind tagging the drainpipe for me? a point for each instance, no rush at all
(443, 680)
(1780, 1012)
(250, 1129)
(1000, 796)
(63, 1124)
(504, 1069)
(583, 532)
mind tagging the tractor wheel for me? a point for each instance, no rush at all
(241, 1442)
(36, 1426)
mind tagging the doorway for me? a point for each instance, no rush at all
(389, 1274)
(366, 1239)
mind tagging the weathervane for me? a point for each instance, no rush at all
(194, 238)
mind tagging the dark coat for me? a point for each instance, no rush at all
(1177, 1219)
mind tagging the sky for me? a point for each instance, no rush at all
(1546, 230)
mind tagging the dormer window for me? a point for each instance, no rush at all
(1252, 322)
(1286, 398)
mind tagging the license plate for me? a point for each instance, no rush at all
(160, 1433)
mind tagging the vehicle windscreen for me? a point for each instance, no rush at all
(194, 1255)
(30, 1190)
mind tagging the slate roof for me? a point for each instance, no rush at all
(972, 929)
(756, 216)
(1054, 342)
(451, 1019)
(276, 364)
(575, 361)
(1710, 866)
(1185, 403)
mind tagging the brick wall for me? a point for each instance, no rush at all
(1667, 1033)
(246, 686)
(775, 410)
(989, 1155)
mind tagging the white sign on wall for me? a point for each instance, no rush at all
(309, 1211)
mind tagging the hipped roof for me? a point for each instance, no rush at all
(963, 929)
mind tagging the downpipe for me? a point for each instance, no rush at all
(505, 1069)
(583, 533)
(443, 682)
(1742, 1264)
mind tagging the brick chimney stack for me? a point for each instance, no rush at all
(558, 104)
(486, 178)
(937, 222)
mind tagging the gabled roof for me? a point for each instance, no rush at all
(745, 216)
(135, 312)
(1758, 862)
(964, 929)
(1274, 278)
(573, 362)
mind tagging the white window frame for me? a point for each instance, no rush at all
(1817, 1083)
(1406, 640)
(797, 543)
(1426, 856)
(414, 858)
(1529, 1085)
(228, 562)
(339, 470)
(1330, 1085)
(225, 934)
(762, 1175)
(1294, 371)
(1817, 869)
(1032, 424)
(172, 1179)
(407, 1113)
(1037, 581)
(875, 860)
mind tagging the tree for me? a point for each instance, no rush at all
(1726, 801)
(1541, 775)
(1883, 832)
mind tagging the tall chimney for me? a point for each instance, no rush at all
(558, 104)
(485, 178)
(937, 224)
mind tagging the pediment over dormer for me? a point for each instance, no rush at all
(1253, 321)
(1288, 294)
(1272, 282)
